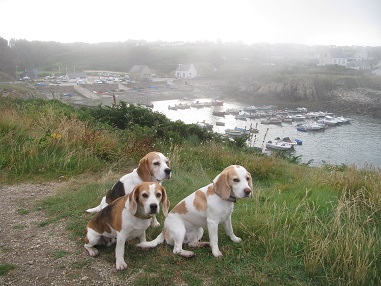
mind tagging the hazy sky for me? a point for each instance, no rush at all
(326, 22)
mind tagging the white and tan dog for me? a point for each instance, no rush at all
(207, 207)
(126, 218)
(153, 167)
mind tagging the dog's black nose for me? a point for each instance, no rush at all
(153, 207)
(167, 171)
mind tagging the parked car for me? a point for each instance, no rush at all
(81, 82)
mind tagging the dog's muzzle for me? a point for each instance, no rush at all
(153, 208)
(168, 173)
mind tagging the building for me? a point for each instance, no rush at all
(30, 73)
(140, 73)
(348, 57)
(359, 65)
(333, 56)
(75, 76)
(186, 71)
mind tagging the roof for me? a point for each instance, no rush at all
(359, 64)
(182, 67)
(138, 68)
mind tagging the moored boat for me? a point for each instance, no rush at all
(279, 145)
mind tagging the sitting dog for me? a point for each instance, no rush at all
(209, 206)
(153, 167)
(126, 218)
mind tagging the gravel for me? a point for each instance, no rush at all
(44, 255)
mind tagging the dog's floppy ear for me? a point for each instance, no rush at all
(132, 198)
(221, 185)
(143, 170)
(165, 201)
(251, 181)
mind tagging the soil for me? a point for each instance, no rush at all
(44, 255)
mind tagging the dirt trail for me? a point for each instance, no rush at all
(44, 255)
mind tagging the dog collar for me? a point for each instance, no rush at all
(141, 215)
(231, 198)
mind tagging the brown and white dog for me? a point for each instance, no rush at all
(126, 218)
(207, 207)
(153, 167)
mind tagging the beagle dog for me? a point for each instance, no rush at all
(126, 218)
(153, 167)
(207, 207)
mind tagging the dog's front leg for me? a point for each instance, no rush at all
(213, 237)
(119, 252)
(229, 230)
(154, 222)
(142, 237)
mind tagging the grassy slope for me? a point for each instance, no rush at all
(303, 226)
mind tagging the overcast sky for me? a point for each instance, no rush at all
(326, 22)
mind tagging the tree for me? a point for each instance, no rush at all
(7, 59)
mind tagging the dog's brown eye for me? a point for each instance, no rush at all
(158, 195)
(156, 163)
(145, 195)
(248, 178)
(236, 180)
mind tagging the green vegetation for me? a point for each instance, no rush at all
(304, 226)
(5, 268)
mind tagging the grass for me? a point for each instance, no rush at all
(5, 268)
(304, 226)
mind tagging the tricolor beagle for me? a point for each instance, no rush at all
(207, 207)
(153, 167)
(126, 218)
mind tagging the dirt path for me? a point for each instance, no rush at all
(43, 255)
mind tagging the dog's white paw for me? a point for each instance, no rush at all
(236, 239)
(217, 253)
(121, 265)
(186, 253)
(92, 251)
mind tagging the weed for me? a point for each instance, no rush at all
(5, 268)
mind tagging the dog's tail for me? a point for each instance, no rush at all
(98, 208)
(153, 243)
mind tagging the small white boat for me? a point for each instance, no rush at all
(342, 119)
(219, 113)
(298, 117)
(250, 108)
(170, 107)
(279, 145)
(216, 102)
(182, 106)
(234, 132)
(237, 131)
(240, 117)
(233, 110)
(328, 120)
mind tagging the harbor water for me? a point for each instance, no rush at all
(356, 143)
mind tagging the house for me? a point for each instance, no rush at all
(30, 73)
(359, 65)
(186, 71)
(333, 56)
(75, 76)
(350, 58)
(140, 73)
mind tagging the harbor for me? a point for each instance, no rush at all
(349, 143)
